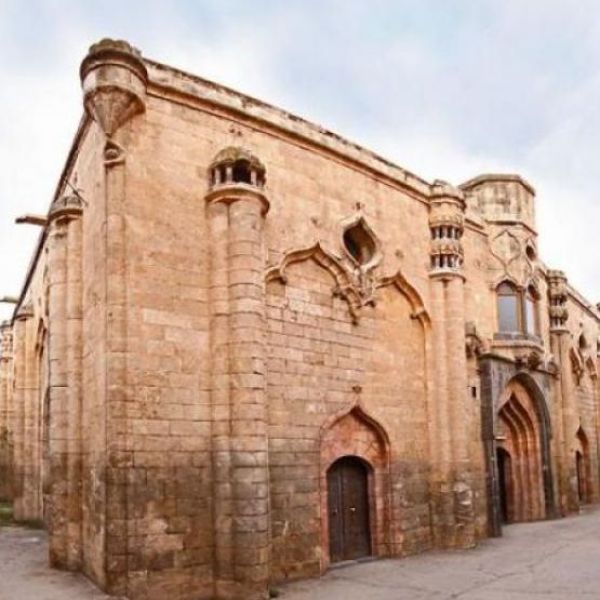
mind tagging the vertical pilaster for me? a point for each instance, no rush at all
(23, 368)
(236, 214)
(447, 290)
(6, 407)
(64, 349)
(114, 81)
(566, 413)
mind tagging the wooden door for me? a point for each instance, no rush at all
(348, 508)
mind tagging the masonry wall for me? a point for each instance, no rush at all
(189, 361)
(320, 365)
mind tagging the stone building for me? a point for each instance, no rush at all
(247, 349)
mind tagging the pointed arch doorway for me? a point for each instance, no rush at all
(355, 484)
(348, 509)
(519, 457)
(582, 467)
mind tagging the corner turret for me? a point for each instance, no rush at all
(114, 80)
(502, 198)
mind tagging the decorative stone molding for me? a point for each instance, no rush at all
(558, 295)
(531, 361)
(358, 227)
(474, 345)
(348, 285)
(345, 286)
(446, 224)
(114, 154)
(398, 280)
(65, 207)
(577, 365)
(114, 81)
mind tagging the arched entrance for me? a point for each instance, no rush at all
(519, 444)
(348, 509)
(582, 467)
(356, 492)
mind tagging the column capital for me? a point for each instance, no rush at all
(230, 193)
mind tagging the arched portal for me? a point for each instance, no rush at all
(348, 509)
(582, 466)
(520, 468)
(355, 480)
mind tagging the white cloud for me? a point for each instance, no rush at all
(447, 91)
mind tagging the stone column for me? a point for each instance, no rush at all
(566, 413)
(6, 407)
(236, 214)
(447, 289)
(22, 351)
(64, 350)
(114, 81)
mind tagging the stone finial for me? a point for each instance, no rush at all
(558, 295)
(446, 224)
(114, 79)
(69, 205)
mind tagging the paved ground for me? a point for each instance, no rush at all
(25, 575)
(557, 560)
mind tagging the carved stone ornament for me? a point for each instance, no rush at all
(557, 296)
(446, 225)
(348, 285)
(114, 154)
(68, 206)
(474, 344)
(114, 80)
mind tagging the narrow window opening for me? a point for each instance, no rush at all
(531, 311)
(508, 308)
(359, 243)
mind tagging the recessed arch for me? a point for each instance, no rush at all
(523, 431)
(410, 293)
(583, 468)
(352, 432)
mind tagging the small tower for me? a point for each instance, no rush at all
(501, 198)
(114, 80)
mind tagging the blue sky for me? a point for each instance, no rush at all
(447, 89)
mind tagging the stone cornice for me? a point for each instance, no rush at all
(176, 85)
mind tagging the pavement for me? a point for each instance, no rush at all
(554, 560)
(25, 574)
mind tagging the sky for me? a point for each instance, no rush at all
(447, 89)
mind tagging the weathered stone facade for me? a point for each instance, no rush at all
(247, 348)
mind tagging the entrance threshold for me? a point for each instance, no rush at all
(349, 563)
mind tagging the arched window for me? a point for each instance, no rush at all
(531, 312)
(509, 309)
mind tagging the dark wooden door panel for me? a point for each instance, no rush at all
(348, 508)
